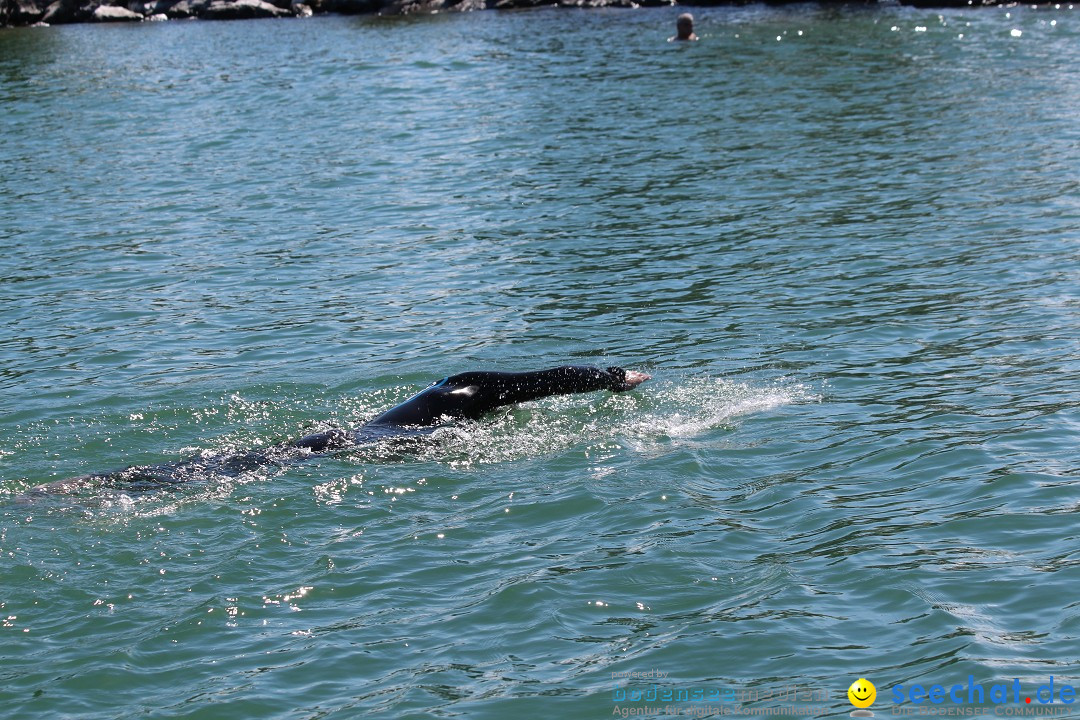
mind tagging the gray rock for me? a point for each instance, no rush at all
(182, 9)
(240, 10)
(63, 11)
(112, 13)
(413, 7)
(506, 4)
(20, 12)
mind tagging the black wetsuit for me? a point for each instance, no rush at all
(467, 396)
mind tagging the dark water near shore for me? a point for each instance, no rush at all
(846, 242)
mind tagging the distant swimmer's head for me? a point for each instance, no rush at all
(684, 26)
(626, 379)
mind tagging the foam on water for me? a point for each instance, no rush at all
(652, 417)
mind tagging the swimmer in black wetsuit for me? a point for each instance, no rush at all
(467, 396)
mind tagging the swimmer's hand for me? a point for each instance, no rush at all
(626, 379)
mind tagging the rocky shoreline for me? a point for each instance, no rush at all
(54, 12)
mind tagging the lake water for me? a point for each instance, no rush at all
(846, 243)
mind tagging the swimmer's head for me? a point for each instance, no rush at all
(685, 26)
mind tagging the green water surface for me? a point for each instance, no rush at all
(845, 241)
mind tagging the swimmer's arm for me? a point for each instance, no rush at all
(470, 395)
(511, 388)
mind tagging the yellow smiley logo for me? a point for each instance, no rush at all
(862, 693)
